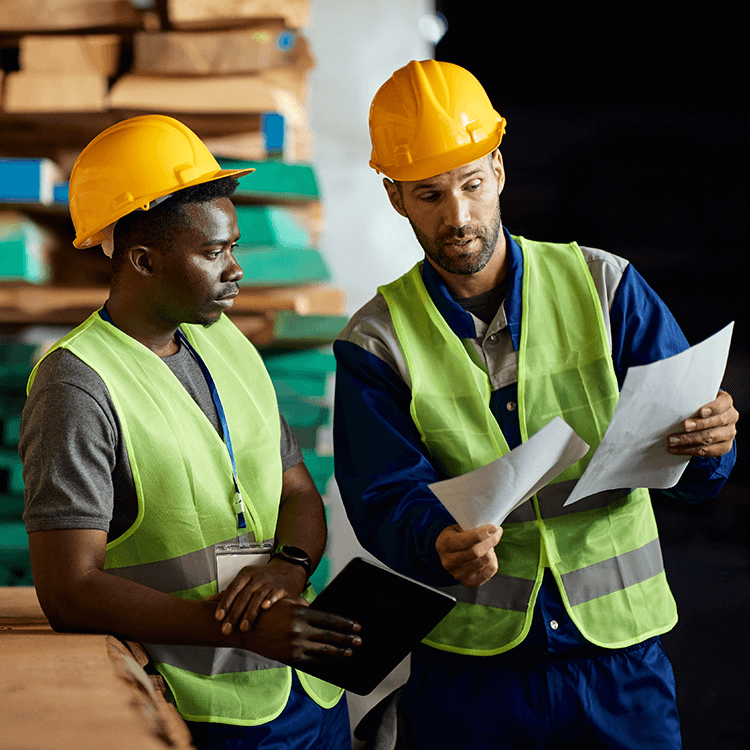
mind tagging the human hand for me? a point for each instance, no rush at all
(709, 432)
(256, 588)
(469, 556)
(291, 632)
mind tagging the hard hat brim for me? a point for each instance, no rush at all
(94, 236)
(436, 165)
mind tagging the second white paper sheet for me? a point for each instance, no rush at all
(654, 400)
(488, 494)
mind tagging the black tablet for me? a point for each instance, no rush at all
(395, 613)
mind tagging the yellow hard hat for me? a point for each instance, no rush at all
(430, 117)
(131, 165)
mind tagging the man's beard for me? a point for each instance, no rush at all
(469, 263)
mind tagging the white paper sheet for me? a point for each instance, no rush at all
(654, 400)
(490, 493)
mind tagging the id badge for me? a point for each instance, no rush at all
(231, 559)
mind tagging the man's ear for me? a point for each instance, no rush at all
(499, 169)
(141, 259)
(394, 195)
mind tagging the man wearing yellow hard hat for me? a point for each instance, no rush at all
(166, 499)
(554, 639)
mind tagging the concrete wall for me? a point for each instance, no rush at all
(357, 47)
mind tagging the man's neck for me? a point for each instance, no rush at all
(137, 322)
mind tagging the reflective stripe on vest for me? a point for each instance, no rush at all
(188, 571)
(565, 369)
(185, 492)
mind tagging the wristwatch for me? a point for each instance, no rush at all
(294, 555)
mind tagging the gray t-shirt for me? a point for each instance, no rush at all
(75, 464)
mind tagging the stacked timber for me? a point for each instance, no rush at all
(234, 71)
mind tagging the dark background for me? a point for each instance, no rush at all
(627, 131)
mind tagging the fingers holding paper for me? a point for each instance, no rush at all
(469, 556)
(709, 432)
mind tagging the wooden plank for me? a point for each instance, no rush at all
(67, 15)
(223, 52)
(20, 302)
(214, 14)
(43, 134)
(54, 92)
(234, 94)
(64, 692)
(307, 300)
(91, 53)
(40, 134)
(19, 607)
(280, 90)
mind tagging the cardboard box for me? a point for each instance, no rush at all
(227, 52)
(95, 53)
(53, 92)
(67, 15)
(214, 14)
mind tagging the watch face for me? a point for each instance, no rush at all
(295, 555)
(298, 554)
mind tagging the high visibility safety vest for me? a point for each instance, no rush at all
(603, 550)
(184, 483)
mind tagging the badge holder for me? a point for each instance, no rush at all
(232, 558)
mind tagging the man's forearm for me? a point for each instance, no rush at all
(302, 521)
(103, 603)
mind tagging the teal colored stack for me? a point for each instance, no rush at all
(21, 250)
(303, 382)
(275, 249)
(15, 565)
(288, 326)
(270, 226)
(276, 180)
(16, 362)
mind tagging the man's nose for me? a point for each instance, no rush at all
(233, 270)
(458, 213)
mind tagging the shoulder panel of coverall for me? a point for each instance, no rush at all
(606, 270)
(371, 327)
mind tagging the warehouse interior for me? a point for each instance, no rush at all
(622, 135)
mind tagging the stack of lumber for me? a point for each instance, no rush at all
(235, 71)
(219, 65)
(66, 691)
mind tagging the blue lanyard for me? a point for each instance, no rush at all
(239, 505)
